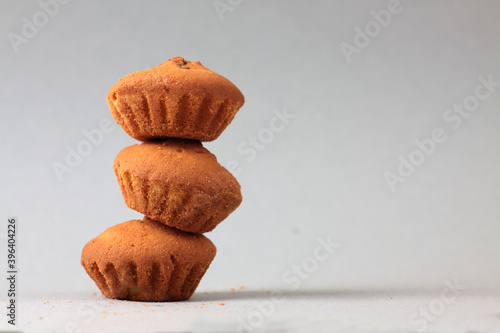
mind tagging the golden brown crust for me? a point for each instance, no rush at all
(147, 261)
(178, 98)
(177, 182)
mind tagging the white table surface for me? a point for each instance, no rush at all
(230, 310)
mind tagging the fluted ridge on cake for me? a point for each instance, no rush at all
(184, 101)
(168, 281)
(147, 261)
(190, 211)
(177, 182)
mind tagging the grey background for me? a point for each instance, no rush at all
(322, 175)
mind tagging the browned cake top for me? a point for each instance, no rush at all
(179, 77)
(183, 163)
(146, 242)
